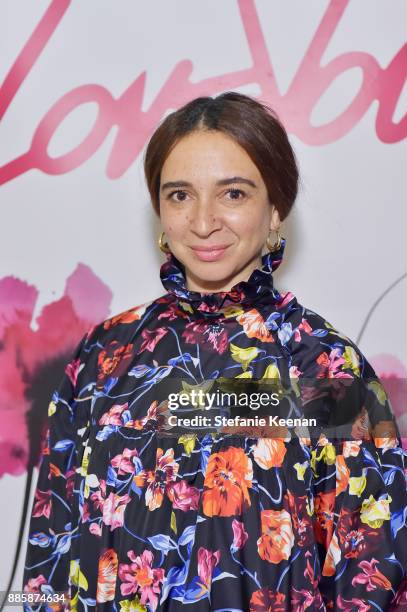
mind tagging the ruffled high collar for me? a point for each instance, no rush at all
(259, 287)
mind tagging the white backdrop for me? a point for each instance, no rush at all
(83, 86)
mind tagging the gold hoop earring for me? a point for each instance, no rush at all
(164, 247)
(276, 246)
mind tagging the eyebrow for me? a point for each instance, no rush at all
(221, 182)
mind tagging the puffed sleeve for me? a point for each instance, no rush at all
(47, 563)
(360, 492)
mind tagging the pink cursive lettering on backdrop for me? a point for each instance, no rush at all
(295, 108)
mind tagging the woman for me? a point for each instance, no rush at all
(131, 513)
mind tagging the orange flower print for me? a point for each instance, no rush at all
(333, 557)
(107, 573)
(228, 478)
(296, 505)
(342, 474)
(112, 361)
(128, 316)
(140, 577)
(277, 537)
(254, 326)
(266, 600)
(324, 509)
(153, 414)
(269, 452)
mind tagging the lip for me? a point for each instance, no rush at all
(210, 253)
(212, 247)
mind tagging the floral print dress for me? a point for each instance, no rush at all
(127, 519)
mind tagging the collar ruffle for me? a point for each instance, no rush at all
(259, 288)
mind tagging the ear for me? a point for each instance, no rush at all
(275, 220)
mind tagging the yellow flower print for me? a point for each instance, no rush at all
(351, 360)
(378, 390)
(272, 374)
(232, 311)
(83, 469)
(77, 577)
(374, 512)
(357, 484)
(327, 454)
(310, 506)
(243, 355)
(188, 308)
(132, 605)
(173, 522)
(271, 371)
(52, 408)
(91, 481)
(300, 469)
(247, 374)
(188, 441)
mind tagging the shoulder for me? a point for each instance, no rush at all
(116, 338)
(121, 330)
(126, 324)
(319, 347)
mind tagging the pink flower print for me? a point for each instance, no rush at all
(34, 584)
(151, 338)
(139, 576)
(371, 576)
(113, 416)
(72, 370)
(42, 504)
(207, 560)
(303, 326)
(240, 535)
(113, 510)
(161, 479)
(124, 461)
(183, 496)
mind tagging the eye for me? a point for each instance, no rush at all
(235, 192)
(174, 192)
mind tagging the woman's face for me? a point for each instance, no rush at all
(212, 195)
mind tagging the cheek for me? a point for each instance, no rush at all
(176, 229)
(246, 224)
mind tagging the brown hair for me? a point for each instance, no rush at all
(252, 124)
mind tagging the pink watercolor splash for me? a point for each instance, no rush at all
(25, 353)
(393, 375)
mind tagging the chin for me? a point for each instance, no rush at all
(213, 272)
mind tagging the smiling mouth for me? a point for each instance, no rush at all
(215, 247)
(210, 253)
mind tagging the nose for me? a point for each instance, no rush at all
(204, 218)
